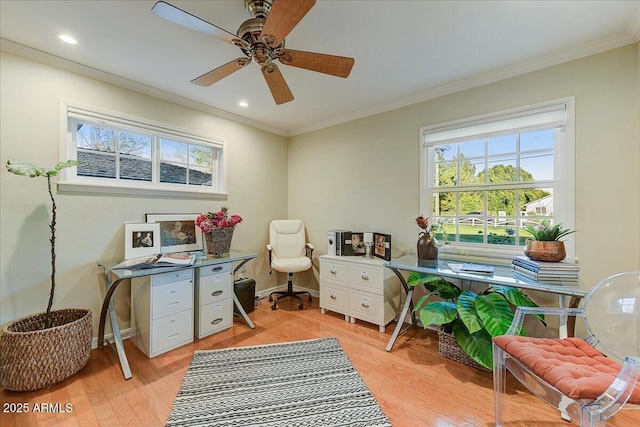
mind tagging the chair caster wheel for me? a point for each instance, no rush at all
(273, 307)
(300, 306)
(270, 298)
(310, 298)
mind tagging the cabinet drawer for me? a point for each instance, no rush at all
(215, 317)
(175, 276)
(171, 331)
(366, 306)
(215, 287)
(170, 298)
(367, 277)
(333, 270)
(334, 298)
(215, 269)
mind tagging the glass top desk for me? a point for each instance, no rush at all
(115, 276)
(502, 275)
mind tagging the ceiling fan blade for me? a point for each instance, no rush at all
(213, 76)
(339, 66)
(277, 85)
(180, 17)
(284, 16)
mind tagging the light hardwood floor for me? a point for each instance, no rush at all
(413, 384)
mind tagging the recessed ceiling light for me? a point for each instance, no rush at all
(243, 103)
(67, 39)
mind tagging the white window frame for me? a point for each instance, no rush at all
(564, 170)
(71, 112)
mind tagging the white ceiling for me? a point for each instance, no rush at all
(405, 51)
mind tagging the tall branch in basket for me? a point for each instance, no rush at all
(19, 167)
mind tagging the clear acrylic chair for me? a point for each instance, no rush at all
(570, 374)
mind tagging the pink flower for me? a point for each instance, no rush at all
(207, 222)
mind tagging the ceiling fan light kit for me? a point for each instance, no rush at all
(262, 40)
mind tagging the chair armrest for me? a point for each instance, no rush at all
(310, 249)
(518, 318)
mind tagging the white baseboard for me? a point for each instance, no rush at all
(125, 333)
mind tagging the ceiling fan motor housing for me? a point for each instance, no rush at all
(255, 47)
(258, 8)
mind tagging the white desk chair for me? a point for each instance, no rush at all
(570, 374)
(288, 253)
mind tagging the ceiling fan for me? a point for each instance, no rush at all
(261, 39)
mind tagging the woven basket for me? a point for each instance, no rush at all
(219, 241)
(448, 347)
(32, 358)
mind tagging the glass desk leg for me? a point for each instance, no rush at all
(115, 327)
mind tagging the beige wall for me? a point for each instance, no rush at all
(90, 226)
(363, 175)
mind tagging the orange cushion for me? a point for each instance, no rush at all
(570, 365)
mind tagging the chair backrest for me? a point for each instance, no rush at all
(612, 314)
(286, 236)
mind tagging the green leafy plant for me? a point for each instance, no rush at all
(545, 232)
(473, 318)
(19, 167)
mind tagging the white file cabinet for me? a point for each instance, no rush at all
(213, 299)
(359, 288)
(162, 311)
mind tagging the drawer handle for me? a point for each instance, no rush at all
(333, 271)
(365, 304)
(170, 337)
(216, 268)
(333, 296)
(216, 293)
(172, 292)
(364, 276)
(216, 321)
(173, 304)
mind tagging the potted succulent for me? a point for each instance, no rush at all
(43, 349)
(470, 318)
(545, 243)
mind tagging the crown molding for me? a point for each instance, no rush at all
(83, 70)
(632, 35)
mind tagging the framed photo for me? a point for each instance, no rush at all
(178, 232)
(141, 240)
(357, 243)
(382, 246)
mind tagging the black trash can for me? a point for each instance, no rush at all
(245, 290)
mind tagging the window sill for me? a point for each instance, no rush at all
(181, 192)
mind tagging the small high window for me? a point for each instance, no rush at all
(131, 154)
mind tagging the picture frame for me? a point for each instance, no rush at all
(178, 232)
(382, 246)
(357, 243)
(141, 240)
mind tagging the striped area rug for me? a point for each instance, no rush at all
(305, 383)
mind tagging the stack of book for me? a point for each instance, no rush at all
(545, 271)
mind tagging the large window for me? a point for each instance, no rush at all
(130, 154)
(488, 177)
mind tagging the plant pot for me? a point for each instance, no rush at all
(448, 347)
(219, 241)
(549, 251)
(32, 358)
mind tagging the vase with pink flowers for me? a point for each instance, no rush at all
(218, 228)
